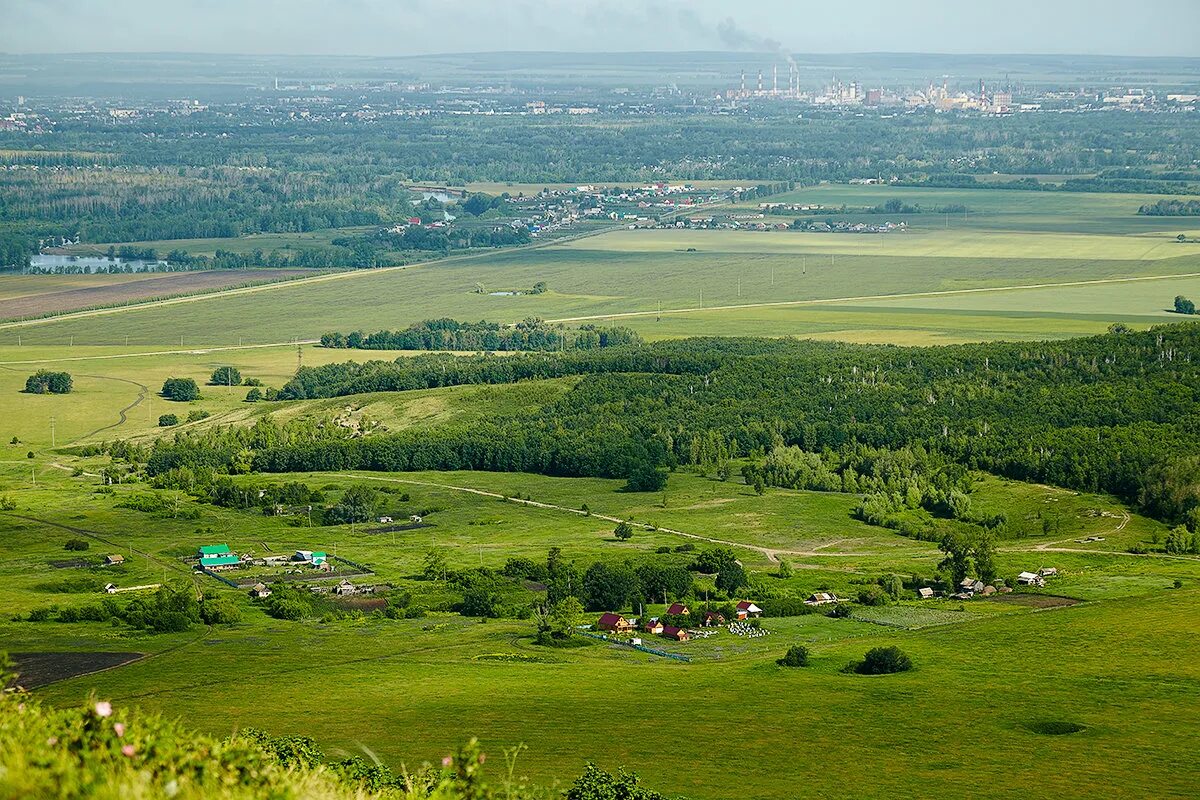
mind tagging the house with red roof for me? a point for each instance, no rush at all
(678, 634)
(747, 609)
(615, 623)
(678, 610)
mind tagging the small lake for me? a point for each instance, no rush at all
(88, 264)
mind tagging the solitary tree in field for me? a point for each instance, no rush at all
(225, 376)
(1183, 305)
(624, 531)
(182, 390)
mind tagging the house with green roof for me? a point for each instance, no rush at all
(217, 555)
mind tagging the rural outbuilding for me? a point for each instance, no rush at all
(678, 610)
(260, 590)
(925, 593)
(821, 599)
(114, 558)
(1031, 579)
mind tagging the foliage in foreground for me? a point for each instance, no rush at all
(110, 753)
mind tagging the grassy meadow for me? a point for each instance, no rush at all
(409, 690)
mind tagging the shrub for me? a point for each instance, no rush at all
(288, 609)
(873, 596)
(46, 382)
(225, 376)
(76, 545)
(646, 477)
(195, 415)
(884, 661)
(181, 390)
(167, 420)
(254, 395)
(796, 656)
(219, 611)
(623, 531)
(480, 603)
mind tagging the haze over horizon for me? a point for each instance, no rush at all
(420, 27)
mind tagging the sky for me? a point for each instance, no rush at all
(414, 27)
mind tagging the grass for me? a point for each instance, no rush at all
(409, 690)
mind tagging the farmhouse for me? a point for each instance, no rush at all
(678, 610)
(747, 609)
(217, 556)
(115, 558)
(821, 599)
(653, 625)
(315, 557)
(260, 591)
(970, 586)
(678, 634)
(614, 622)
(1031, 579)
(713, 619)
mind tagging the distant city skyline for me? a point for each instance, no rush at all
(415, 27)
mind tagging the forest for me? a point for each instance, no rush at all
(1111, 413)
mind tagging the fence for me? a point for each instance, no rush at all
(651, 650)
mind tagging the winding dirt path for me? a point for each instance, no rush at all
(771, 553)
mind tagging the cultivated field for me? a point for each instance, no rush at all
(1096, 259)
(26, 296)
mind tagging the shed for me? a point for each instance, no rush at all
(924, 593)
(821, 599)
(1048, 572)
(114, 558)
(260, 590)
(1030, 579)
(110, 588)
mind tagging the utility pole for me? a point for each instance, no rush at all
(53, 441)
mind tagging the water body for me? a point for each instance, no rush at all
(90, 264)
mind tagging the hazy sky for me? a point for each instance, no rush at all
(407, 27)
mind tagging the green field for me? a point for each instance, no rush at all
(854, 287)
(409, 690)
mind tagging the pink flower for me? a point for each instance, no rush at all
(104, 709)
(127, 751)
(53, 740)
(119, 729)
(447, 761)
(482, 757)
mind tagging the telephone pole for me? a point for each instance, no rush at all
(53, 441)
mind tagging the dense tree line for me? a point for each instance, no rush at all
(1115, 413)
(449, 334)
(1171, 208)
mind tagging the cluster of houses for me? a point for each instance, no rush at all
(971, 587)
(218, 558)
(344, 589)
(615, 623)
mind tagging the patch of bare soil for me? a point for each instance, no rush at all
(41, 669)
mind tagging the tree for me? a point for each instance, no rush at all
(609, 588)
(892, 585)
(646, 477)
(873, 596)
(596, 784)
(167, 420)
(76, 545)
(225, 376)
(1183, 305)
(181, 390)
(357, 504)
(45, 381)
(623, 531)
(219, 611)
(480, 602)
(254, 395)
(785, 569)
(714, 560)
(559, 620)
(435, 565)
(884, 661)
(1178, 541)
(796, 656)
(731, 578)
